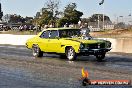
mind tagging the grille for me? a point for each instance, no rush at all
(95, 46)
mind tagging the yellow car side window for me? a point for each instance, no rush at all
(54, 33)
(45, 34)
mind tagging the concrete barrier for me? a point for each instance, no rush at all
(21, 40)
(14, 39)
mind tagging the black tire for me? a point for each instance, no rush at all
(36, 51)
(86, 82)
(100, 57)
(70, 53)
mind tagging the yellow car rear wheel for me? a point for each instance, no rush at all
(70, 53)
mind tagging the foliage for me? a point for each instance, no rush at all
(28, 19)
(120, 25)
(37, 15)
(16, 19)
(48, 14)
(85, 20)
(71, 15)
(51, 14)
(45, 18)
(94, 18)
(62, 21)
(52, 6)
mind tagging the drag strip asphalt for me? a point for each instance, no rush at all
(19, 69)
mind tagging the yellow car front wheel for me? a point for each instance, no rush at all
(36, 51)
(100, 57)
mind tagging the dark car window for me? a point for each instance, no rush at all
(69, 33)
(53, 34)
(45, 34)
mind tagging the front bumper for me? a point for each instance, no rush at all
(93, 51)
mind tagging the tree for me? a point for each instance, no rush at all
(6, 18)
(16, 19)
(28, 20)
(71, 15)
(85, 20)
(45, 18)
(120, 25)
(37, 15)
(1, 13)
(62, 21)
(94, 18)
(49, 13)
(53, 6)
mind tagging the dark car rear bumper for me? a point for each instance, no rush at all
(93, 51)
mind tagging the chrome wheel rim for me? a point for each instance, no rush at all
(35, 51)
(70, 54)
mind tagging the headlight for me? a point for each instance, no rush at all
(98, 45)
(108, 44)
(81, 46)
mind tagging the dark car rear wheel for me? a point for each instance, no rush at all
(36, 51)
(70, 53)
(100, 57)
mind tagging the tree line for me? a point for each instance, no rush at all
(51, 15)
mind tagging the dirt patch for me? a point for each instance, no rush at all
(117, 33)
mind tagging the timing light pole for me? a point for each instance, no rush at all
(130, 18)
(102, 3)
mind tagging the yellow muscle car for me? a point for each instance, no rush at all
(68, 43)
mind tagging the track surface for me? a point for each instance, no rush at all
(19, 69)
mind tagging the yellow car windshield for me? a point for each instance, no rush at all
(69, 33)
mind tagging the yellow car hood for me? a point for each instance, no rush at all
(92, 41)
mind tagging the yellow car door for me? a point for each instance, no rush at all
(43, 41)
(54, 44)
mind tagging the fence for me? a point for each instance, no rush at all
(106, 27)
